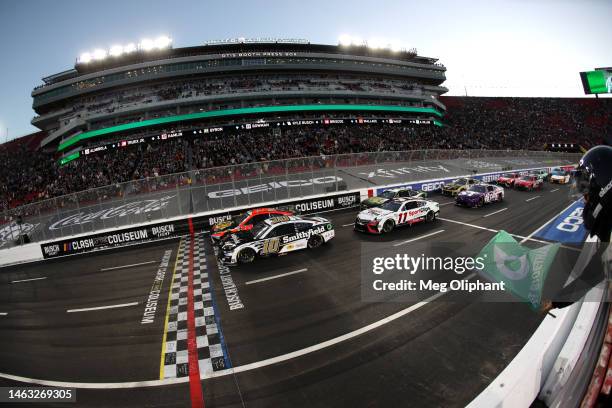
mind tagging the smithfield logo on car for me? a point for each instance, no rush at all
(303, 234)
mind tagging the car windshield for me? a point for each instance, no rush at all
(508, 175)
(558, 172)
(391, 206)
(387, 194)
(478, 189)
(237, 219)
(460, 181)
(259, 229)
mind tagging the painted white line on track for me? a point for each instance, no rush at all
(556, 189)
(450, 202)
(349, 225)
(468, 225)
(112, 268)
(28, 280)
(3, 313)
(532, 198)
(239, 369)
(417, 238)
(495, 212)
(528, 237)
(282, 275)
(524, 238)
(89, 309)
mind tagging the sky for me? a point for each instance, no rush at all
(489, 47)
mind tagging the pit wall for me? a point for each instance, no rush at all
(178, 226)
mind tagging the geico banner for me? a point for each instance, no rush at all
(274, 185)
(303, 206)
(436, 185)
(114, 239)
(567, 228)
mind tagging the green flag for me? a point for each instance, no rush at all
(523, 270)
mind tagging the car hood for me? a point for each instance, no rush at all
(372, 201)
(452, 186)
(373, 214)
(470, 195)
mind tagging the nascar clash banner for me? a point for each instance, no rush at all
(114, 239)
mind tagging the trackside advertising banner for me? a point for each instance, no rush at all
(114, 239)
(436, 185)
(177, 228)
(567, 228)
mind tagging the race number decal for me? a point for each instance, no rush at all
(271, 246)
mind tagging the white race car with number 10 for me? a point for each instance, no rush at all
(394, 213)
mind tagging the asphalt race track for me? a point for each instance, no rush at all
(284, 342)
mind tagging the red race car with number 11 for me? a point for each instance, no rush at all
(529, 183)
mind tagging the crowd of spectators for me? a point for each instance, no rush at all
(29, 174)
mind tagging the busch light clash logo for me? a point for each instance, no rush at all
(10, 232)
(135, 208)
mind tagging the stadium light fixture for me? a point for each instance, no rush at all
(162, 42)
(146, 44)
(344, 40)
(99, 54)
(131, 47)
(115, 50)
(357, 42)
(85, 57)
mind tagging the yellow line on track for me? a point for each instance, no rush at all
(163, 349)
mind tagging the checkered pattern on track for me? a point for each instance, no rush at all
(210, 351)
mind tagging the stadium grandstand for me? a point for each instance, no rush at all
(141, 115)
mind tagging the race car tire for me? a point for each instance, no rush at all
(388, 226)
(431, 216)
(480, 203)
(315, 241)
(500, 197)
(246, 255)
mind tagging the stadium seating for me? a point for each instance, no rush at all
(29, 174)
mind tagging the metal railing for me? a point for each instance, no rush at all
(219, 188)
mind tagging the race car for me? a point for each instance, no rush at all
(244, 221)
(508, 179)
(275, 236)
(396, 212)
(541, 174)
(528, 182)
(560, 176)
(479, 195)
(458, 186)
(391, 194)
